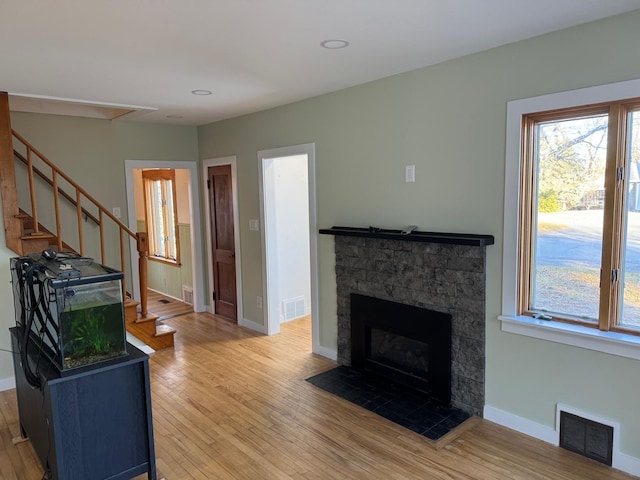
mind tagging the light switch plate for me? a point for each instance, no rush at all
(254, 225)
(410, 173)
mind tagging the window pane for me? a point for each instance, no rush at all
(630, 308)
(567, 236)
(159, 221)
(171, 221)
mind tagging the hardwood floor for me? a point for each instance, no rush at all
(232, 404)
(166, 307)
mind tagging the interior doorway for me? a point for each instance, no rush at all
(222, 234)
(289, 235)
(190, 276)
(229, 257)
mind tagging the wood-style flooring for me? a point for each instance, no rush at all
(166, 307)
(229, 403)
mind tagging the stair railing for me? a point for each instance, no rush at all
(103, 214)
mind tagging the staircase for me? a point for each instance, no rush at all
(25, 233)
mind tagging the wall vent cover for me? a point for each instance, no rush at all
(187, 295)
(293, 308)
(588, 438)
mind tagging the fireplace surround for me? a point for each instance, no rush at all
(444, 272)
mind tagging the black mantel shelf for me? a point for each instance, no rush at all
(415, 236)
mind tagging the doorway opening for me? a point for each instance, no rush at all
(181, 282)
(223, 239)
(289, 236)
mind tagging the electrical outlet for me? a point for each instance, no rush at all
(254, 225)
(259, 302)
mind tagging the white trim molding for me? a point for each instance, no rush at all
(251, 325)
(614, 343)
(621, 461)
(608, 342)
(196, 236)
(520, 424)
(232, 162)
(7, 383)
(329, 353)
(271, 319)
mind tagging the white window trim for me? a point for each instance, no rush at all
(608, 342)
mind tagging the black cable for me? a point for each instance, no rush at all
(9, 351)
(32, 378)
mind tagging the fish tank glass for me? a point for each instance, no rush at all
(71, 309)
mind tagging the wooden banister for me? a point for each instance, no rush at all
(143, 253)
(32, 191)
(56, 206)
(64, 194)
(9, 194)
(103, 212)
(68, 179)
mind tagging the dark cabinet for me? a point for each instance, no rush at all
(91, 424)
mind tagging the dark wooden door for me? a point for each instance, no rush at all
(222, 238)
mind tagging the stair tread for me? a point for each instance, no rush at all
(149, 318)
(164, 330)
(131, 303)
(37, 236)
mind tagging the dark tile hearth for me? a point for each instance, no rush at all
(407, 408)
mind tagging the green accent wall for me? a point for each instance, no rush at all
(169, 279)
(449, 121)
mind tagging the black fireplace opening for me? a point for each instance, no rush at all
(405, 344)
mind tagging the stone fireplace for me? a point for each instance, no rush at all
(440, 272)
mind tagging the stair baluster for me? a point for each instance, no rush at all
(162, 336)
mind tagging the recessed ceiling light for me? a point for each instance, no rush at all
(174, 116)
(334, 44)
(201, 92)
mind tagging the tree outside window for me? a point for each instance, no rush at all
(161, 217)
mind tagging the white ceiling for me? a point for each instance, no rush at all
(252, 54)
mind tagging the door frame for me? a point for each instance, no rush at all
(214, 162)
(196, 235)
(272, 321)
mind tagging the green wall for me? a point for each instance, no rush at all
(449, 121)
(92, 152)
(169, 279)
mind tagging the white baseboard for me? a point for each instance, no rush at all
(251, 325)
(627, 463)
(621, 461)
(520, 424)
(325, 352)
(257, 327)
(7, 383)
(166, 295)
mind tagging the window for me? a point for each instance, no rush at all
(579, 216)
(160, 214)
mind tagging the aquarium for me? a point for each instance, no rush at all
(68, 309)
